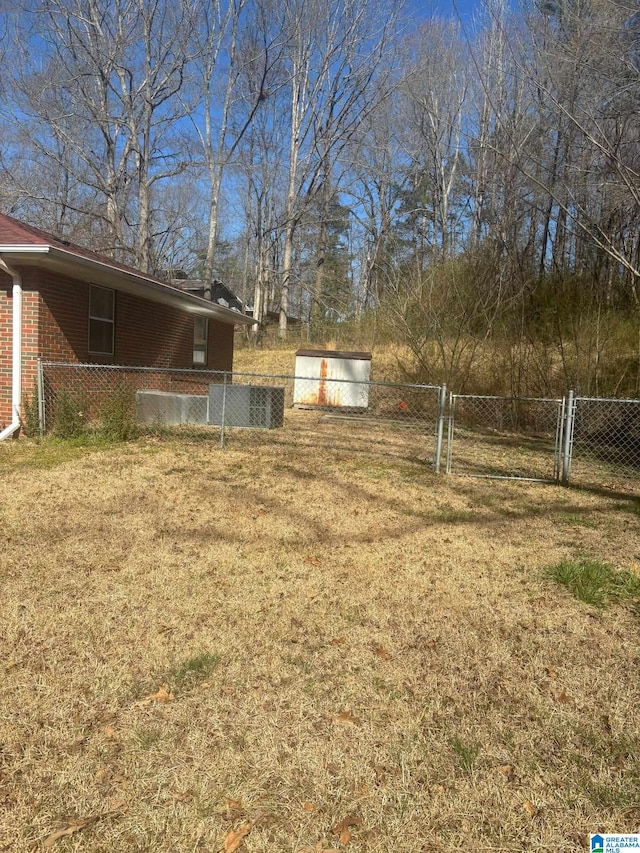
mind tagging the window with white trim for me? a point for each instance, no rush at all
(200, 338)
(101, 320)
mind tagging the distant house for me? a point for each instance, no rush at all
(216, 291)
(60, 302)
(272, 318)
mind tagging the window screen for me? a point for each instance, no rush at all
(101, 320)
(200, 336)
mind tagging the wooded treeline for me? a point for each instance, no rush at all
(473, 190)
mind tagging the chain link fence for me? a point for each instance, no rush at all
(605, 442)
(573, 440)
(393, 419)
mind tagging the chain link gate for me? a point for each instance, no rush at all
(513, 438)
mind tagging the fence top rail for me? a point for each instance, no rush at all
(350, 381)
(607, 399)
(204, 372)
(513, 399)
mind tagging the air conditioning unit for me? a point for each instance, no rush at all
(255, 406)
(165, 407)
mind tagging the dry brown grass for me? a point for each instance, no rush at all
(279, 358)
(355, 653)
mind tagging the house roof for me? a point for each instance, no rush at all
(24, 245)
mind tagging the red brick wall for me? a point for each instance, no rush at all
(56, 319)
(64, 318)
(154, 335)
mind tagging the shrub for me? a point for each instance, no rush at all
(31, 420)
(118, 416)
(70, 414)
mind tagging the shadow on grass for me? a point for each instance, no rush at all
(351, 472)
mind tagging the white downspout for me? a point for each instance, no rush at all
(16, 370)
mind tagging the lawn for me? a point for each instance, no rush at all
(291, 646)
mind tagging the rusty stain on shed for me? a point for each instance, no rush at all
(331, 379)
(328, 394)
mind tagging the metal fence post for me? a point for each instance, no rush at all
(41, 406)
(559, 446)
(568, 438)
(224, 410)
(440, 427)
(450, 434)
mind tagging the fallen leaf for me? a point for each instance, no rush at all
(343, 829)
(381, 652)
(163, 694)
(71, 827)
(509, 771)
(233, 838)
(347, 718)
(308, 807)
(530, 809)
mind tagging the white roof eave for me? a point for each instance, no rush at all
(102, 273)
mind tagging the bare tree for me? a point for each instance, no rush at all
(333, 52)
(149, 80)
(376, 181)
(436, 89)
(104, 105)
(235, 51)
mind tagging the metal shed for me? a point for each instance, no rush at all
(332, 378)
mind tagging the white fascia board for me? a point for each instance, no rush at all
(137, 284)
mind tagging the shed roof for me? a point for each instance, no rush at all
(24, 245)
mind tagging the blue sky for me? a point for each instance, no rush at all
(443, 8)
(454, 9)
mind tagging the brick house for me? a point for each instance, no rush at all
(60, 302)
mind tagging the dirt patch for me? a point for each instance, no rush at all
(336, 649)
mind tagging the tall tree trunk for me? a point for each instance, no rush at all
(321, 253)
